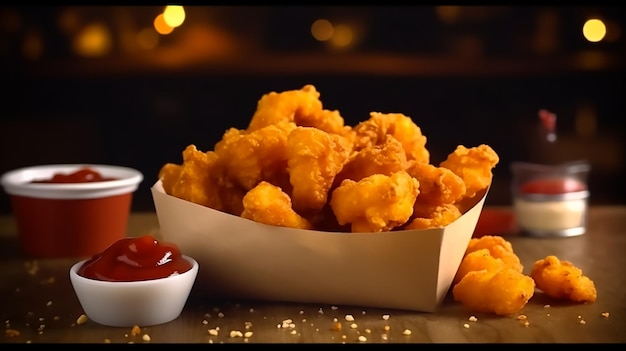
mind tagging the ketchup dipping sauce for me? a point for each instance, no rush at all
(135, 259)
(83, 175)
(70, 210)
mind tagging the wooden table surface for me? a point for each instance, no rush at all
(38, 303)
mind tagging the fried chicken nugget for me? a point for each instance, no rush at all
(438, 185)
(476, 261)
(251, 157)
(373, 131)
(433, 216)
(498, 247)
(375, 203)
(474, 165)
(314, 159)
(268, 204)
(560, 279)
(195, 180)
(287, 106)
(386, 158)
(502, 292)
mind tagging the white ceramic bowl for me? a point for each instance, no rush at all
(141, 303)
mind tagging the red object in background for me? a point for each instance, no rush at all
(83, 175)
(52, 228)
(495, 222)
(135, 259)
(552, 186)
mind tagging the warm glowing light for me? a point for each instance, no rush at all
(161, 27)
(342, 36)
(594, 30)
(147, 39)
(322, 30)
(174, 15)
(93, 40)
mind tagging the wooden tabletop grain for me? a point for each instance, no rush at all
(38, 304)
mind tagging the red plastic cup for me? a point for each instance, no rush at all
(56, 220)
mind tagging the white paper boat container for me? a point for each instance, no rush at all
(240, 258)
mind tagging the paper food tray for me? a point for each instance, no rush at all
(240, 258)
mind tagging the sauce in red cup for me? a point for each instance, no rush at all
(70, 219)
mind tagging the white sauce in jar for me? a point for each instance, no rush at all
(552, 215)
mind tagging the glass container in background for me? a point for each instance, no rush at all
(550, 200)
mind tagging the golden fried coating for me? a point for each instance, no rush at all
(195, 180)
(498, 247)
(373, 131)
(314, 159)
(502, 291)
(386, 158)
(249, 158)
(375, 203)
(476, 261)
(373, 177)
(438, 185)
(560, 279)
(329, 121)
(268, 204)
(474, 165)
(432, 216)
(287, 106)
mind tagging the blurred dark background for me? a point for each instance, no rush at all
(101, 85)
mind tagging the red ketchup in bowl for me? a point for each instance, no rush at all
(83, 175)
(135, 259)
(552, 186)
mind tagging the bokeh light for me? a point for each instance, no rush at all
(594, 30)
(342, 36)
(322, 30)
(94, 40)
(161, 26)
(174, 15)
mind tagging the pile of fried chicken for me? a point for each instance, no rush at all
(299, 165)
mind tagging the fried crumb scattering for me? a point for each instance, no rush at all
(466, 326)
(522, 317)
(214, 331)
(406, 332)
(362, 338)
(11, 333)
(82, 319)
(247, 334)
(472, 319)
(136, 330)
(385, 317)
(582, 321)
(349, 317)
(526, 323)
(236, 333)
(107, 341)
(145, 337)
(605, 314)
(354, 326)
